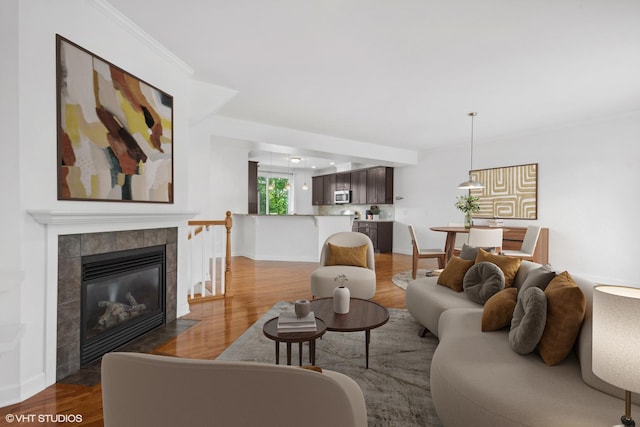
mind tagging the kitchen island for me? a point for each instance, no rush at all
(284, 237)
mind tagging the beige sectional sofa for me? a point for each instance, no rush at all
(477, 379)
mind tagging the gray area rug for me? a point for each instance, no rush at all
(396, 385)
(402, 279)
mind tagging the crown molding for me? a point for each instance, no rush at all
(106, 8)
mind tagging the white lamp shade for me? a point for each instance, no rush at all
(470, 185)
(616, 336)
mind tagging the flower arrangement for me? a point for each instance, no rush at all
(468, 205)
(341, 278)
(375, 210)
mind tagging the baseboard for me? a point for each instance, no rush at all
(16, 393)
(274, 258)
(9, 395)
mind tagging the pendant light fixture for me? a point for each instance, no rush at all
(305, 186)
(471, 183)
(270, 185)
(288, 185)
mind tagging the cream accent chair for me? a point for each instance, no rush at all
(486, 238)
(151, 390)
(528, 244)
(361, 281)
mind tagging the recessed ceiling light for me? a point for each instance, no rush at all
(332, 163)
(313, 167)
(295, 159)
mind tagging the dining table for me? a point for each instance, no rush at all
(450, 241)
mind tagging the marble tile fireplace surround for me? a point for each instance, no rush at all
(69, 235)
(71, 249)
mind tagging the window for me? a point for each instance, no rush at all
(278, 201)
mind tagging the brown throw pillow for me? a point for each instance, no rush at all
(348, 255)
(566, 305)
(453, 273)
(498, 310)
(507, 264)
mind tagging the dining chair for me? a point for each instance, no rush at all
(418, 253)
(461, 238)
(486, 238)
(528, 244)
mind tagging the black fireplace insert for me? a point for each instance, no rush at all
(122, 297)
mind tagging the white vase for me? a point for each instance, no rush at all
(302, 307)
(341, 297)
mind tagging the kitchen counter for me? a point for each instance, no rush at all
(284, 237)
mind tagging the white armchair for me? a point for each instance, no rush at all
(151, 390)
(338, 249)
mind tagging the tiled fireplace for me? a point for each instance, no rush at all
(71, 250)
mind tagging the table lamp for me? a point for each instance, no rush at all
(616, 340)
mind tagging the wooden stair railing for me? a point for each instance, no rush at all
(196, 227)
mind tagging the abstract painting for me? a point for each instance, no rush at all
(115, 132)
(509, 192)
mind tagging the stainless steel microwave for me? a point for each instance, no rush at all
(341, 197)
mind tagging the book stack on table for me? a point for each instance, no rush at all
(289, 322)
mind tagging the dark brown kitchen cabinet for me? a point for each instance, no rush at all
(359, 187)
(343, 181)
(329, 188)
(253, 188)
(373, 186)
(317, 190)
(380, 185)
(380, 233)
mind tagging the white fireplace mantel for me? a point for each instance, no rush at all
(62, 222)
(53, 217)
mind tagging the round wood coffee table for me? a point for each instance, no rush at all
(363, 315)
(270, 330)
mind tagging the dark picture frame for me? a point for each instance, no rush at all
(510, 192)
(115, 131)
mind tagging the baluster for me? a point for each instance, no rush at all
(212, 259)
(223, 260)
(209, 247)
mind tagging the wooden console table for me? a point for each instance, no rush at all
(512, 238)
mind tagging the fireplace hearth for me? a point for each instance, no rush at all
(122, 297)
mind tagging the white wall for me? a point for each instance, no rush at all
(302, 198)
(587, 194)
(10, 224)
(218, 173)
(29, 155)
(229, 186)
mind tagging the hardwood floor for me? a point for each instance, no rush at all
(257, 285)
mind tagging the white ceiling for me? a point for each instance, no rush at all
(405, 73)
